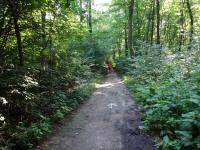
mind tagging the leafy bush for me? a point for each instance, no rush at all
(166, 84)
(32, 100)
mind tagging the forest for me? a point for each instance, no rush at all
(53, 53)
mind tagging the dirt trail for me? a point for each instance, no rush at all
(108, 121)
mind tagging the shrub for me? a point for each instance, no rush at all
(166, 84)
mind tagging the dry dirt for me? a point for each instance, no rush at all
(110, 120)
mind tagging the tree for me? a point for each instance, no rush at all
(15, 15)
(90, 15)
(191, 22)
(158, 20)
(126, 40)
(182, 20)
(81, 10)
(130, 27)
(152, 20)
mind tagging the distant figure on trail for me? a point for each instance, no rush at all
(109, 67)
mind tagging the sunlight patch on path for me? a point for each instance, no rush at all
(111, 105)
(107, 84)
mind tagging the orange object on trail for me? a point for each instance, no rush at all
(109, 67)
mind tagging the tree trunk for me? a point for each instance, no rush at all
(81, 10)
(119, 46)
(138, 19)
(43, 17)
(43, 59)
(148, 27)
(191, 22)
(158, 20)
(130, 23)
(13, 6)
(152, 21)
(126, 40)
(90, 16)
(19, 42)
(181, 26)
(68, 3)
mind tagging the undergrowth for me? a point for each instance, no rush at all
(166, 86)
(33, 101)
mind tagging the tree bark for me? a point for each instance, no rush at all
(44, 45)
(14, 11)
(43, 17)
(119, 46)
(181, 26)
(191, 22)
(158, 20)
(81, 11)
(139, 24)
(90, 16)
(130, 23)
(152, 21)
(148, 26)
(126, 40)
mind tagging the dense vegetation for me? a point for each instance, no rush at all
(162, 70)
(50, 60)
(52, 52)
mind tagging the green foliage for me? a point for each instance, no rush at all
(168, 91)
(60, 61)
(24, 137)
(124, 65)
(31, 103)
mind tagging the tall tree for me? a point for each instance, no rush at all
(158, 20)
(43, 19)
(90, 15)
(191, 22)
(125, 40)
(152, 20)
(81, 10)
(13, 4)
(130, 27)
(181, 25)
(148, 26)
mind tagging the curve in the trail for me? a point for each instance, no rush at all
(110, 120)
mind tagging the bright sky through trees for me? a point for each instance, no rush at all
(102, 1)
(102, 5)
